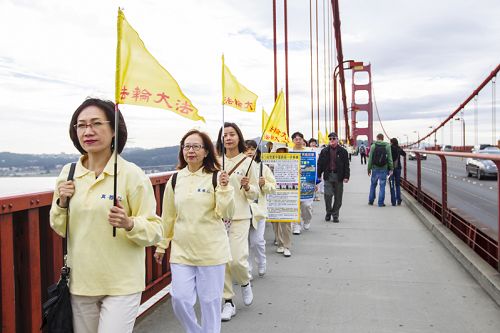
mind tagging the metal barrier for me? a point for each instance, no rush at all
(31, 258)
(484, 245)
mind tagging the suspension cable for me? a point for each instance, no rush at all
(378, 115)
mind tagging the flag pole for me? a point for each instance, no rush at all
(223, 148)
(119, 32)
(260, 141)
(115, 151)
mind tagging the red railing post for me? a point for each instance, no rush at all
(404, 168)
(444, 189)
(497, 163)
(8, 285)
(33, 278)
(419, 177)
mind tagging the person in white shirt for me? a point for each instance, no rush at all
(244, 180)
(193, 208)
(267, 185)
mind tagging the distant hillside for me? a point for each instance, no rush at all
(145, 158)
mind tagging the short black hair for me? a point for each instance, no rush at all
(108, 108)
(297, 134)
(395, 142)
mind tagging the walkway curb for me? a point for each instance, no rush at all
(481, 271)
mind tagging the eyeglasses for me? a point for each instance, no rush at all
(95, 125)
(195, 147)
(333, 139)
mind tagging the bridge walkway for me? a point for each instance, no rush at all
(378, 270)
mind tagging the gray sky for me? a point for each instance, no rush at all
(427, 57)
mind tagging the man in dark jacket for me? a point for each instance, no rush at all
(395, 179)
(333, 164)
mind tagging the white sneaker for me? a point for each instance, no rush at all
(247, 294)
(296, 229)
(287, 253)
(280, 249)
(228, 312)
(262, 270)
(307, 226)
(250, 276)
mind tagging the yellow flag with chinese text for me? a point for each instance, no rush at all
(141, 80)
(265, 117)
(234, 93)
(275, 129)
(321, 139)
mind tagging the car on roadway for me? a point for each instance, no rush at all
(480, 147)
(413, 156)
(447, 148)
(482, 168)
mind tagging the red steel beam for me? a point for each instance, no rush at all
(7, 274)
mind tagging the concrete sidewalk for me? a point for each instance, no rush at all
(378, 270)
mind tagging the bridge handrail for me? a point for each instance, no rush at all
(482, 243)
(31, 257)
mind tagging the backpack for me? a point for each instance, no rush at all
(214, 180)
(362, 150)
(379, 155)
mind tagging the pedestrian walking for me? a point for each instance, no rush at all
(333, 164)
(267, 185)
(306, 209)
(362, 154)
(379, 167)
(395, 178)
(198, 241)
(282, 230)
(107, 274)
(245, 188)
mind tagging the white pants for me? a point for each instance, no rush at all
(237, 268)
(207, 282)
(105, 314)
(306, 211)
(257, 245)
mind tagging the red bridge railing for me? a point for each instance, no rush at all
(31, 258)
(482, 243)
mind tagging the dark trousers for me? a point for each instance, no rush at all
(363, 158)
(395, 184)
(334, 187)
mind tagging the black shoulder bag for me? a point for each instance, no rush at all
(57, 314)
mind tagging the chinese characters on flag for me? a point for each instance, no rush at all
(234, 93)
(141, 80)
(275, 129)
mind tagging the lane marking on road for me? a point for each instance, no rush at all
(491, 188)
(474, 183)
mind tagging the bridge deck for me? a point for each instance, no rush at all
(379, 270)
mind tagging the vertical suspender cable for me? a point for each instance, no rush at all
(317, 65)
(311, 56)
(286, 68)
(494, 111)
(329, 71)
(475, 121)
(324, 60)
(275, 53)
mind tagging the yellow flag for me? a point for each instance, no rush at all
(265, 117)
(275, 129)
(234, 93)
(321, 139)
(141, 80)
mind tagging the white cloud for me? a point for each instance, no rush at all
(426, 58)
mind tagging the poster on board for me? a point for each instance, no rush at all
(284, 205)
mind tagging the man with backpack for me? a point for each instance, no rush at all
(362, 153)
(380, 165)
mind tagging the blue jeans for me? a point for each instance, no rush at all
(380, 176)
(395, 185)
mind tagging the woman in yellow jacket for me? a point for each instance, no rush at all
(267, 185)
(107, 274)
(193, 209)
(245, 188)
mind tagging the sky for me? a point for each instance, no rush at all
(426, 57)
